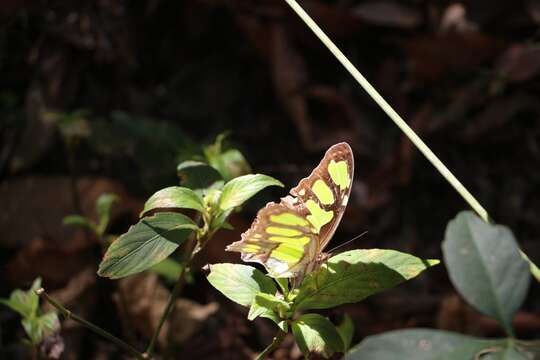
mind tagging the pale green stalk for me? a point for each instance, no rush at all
(398, 120)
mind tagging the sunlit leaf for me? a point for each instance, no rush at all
(421, 344)
(261, 310)
(316, 334)
(230, 164)
(485, 265)
(145, 244)
(240, 189)
(271, 302)
(240, 283)
(174, 197)
(354, 275)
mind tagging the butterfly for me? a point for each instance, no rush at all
(289, 237)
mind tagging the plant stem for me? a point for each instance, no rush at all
(398, 120)
(168, 309)
(69, 315)
(275, 343)
(188, 256)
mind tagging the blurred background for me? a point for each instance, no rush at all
(109, 96)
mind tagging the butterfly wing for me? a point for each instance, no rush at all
(287, 237)
(326, 191)
(280, 238)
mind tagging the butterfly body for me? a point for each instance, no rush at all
(289, 237)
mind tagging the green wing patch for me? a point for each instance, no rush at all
(288, 238)
(279, 238)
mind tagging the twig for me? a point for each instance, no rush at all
(275, 343)
(69, 315)
(188, 256)
(398, 120)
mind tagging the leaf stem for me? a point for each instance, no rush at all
(69, 315)
(168, 309)
(188, 256)
(398, 120)
(275, 343)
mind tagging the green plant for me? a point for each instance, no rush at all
(35, 323)
(104, 205)
(485, 266)
(288, 238)
(345, 278)
(175, 218)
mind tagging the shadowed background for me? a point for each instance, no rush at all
(106, 96)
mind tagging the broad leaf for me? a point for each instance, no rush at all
(240, 189)
(145, 244)
(268, 301)
(197, 175)
(316, 334)
(230, 164)
(346, 331)
(259, 309)
(421, 344)
(486, 267)
(240, 283)
(354, 275)
(174, 197)
(508, 353)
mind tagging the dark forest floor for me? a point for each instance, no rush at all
(111, 95)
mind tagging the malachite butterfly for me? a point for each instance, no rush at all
(289, 237)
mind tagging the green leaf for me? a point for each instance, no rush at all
(240, 189)
(24, 302)
(145, 244)
(283, 285)
(198, 176)
(49, 321)
(316, 334)
(421, 344)
(230, 164)
(36, 328)
(174, 197)
(104, 205)
(346, 331)
(240, 283)
(168, 268)
(486, 267)
(508, 353)
(78, 220)
(354, 275)
(262, 310)
(271, 302)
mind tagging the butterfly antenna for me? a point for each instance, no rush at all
(347, 242)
